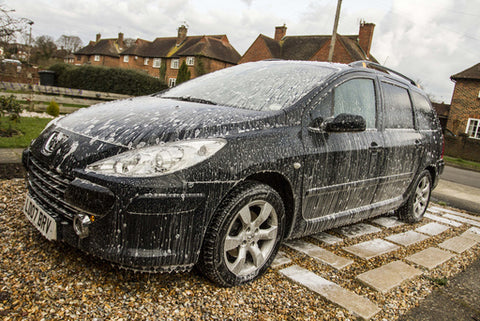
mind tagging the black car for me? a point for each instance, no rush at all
(219, 170)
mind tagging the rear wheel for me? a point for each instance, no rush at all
(414, 209)
(244, 235)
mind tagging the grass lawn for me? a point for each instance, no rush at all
(30, 127)
(458, 162)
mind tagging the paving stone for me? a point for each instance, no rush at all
(472, 233)
(407, 238)
(458, 244)
(388, 276)
(462, 219)
(354, 303)
(280, 260)
(442, 220)
(369, 249)
(357, 230)
(445, 210)
(472, 217)
(327, 257)
(327, 238)
(432, 229)
(387, 221)
(430, 257)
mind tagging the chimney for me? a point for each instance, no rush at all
(280, 32)
(365, 36)
(120, 41)
(98, 37)
(182, 34)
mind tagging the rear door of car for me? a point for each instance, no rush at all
(403, 145)
(341, 169)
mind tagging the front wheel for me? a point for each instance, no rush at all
(412, 211)
(244, 235)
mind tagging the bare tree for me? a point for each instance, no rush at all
(69, 43)
(129, 42)
(45, 47)
(9, 26)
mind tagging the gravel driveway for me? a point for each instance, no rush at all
(44, 280)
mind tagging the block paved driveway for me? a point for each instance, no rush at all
(380, 255)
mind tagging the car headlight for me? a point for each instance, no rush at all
(158, 160)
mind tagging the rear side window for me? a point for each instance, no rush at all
(424, 112)
(357, 97)
(398, 108)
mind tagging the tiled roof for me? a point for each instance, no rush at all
(104, 47)
(305, 47)
(216, 47)
(470, 73)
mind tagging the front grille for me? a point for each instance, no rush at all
(48, 189)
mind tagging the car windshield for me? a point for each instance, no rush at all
(263, 86)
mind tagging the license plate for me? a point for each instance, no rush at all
(41, 220)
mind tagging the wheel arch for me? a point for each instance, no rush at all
(284, 188)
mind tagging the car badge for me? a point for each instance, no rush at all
(53, 143)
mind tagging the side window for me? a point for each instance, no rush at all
(398, 108)
(356, 96)
(424, 112)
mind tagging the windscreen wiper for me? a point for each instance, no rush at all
(193, 100)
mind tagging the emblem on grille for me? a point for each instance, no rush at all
(53, 142)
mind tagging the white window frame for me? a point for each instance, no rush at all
(126, 58)
(96, 58)
(190, 61)
(146, 61)
(172, 82)
(157, 62)
(475, 124)
(175, 64)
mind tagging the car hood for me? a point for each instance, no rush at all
(107, 129)
(149, 120)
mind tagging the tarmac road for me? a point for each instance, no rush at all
(461, 176)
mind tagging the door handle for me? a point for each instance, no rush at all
(374, 147)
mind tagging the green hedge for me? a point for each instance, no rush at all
(112, 80)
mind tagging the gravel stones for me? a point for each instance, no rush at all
(46, 280)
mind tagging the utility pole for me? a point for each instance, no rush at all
(334, 35)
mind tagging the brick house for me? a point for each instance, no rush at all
(101, 52)
(347, 48)
(202, 54)
(464, 116)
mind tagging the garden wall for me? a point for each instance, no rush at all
(463, 147)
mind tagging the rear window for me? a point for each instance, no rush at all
(398, 108)
(424, 112)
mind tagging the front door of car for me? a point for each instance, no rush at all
(341, 168)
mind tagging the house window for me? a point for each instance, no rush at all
(80, 58)
(126, 58)
(145, 61)
(190, 61)
(172, 82)
(174, 64)
(157, 62)
(96, 58)
(473, 128)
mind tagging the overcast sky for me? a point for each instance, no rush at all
(427, 40)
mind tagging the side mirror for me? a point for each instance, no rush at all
(345, 123)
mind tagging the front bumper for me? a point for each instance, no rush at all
(149, 227)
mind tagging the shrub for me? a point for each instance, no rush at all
(104, 79)
(183, 73)
(53, 109)
(10, 110)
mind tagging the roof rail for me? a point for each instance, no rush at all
(373, 65)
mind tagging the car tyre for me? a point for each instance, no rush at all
(414, 209)
(244, 235)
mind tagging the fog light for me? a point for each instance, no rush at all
(80, 225)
